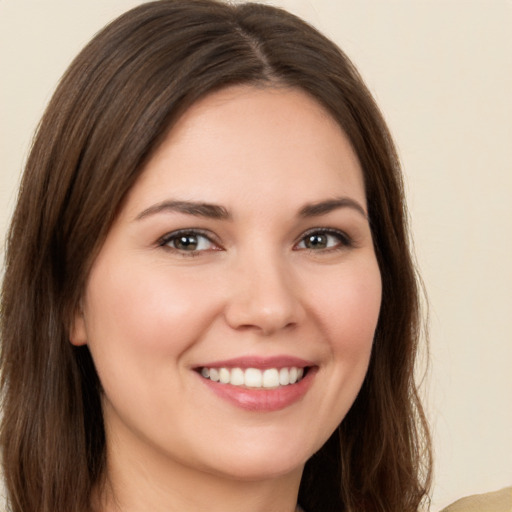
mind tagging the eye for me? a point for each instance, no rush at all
(190, 241)
(323, 239)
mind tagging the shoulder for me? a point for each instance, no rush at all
(498, 501)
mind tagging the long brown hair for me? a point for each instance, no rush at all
(113, 107)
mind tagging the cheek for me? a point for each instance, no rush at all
(140, 323)
(141, 313)
(349, 310)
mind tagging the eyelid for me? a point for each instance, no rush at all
(168, 237)
(344, 238)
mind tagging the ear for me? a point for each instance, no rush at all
(78, 330)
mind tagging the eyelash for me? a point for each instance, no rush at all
(343, 240)
(167, 239)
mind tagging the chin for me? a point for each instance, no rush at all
(261, 470)
(263, 460)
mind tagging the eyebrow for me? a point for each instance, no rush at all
(325, 207)
(197, 209)
(214, 211)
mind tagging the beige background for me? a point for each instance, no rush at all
(442, 73)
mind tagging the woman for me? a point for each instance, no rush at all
(209, 300)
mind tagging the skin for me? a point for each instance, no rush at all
(153, 311)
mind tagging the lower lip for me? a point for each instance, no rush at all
(260, 399)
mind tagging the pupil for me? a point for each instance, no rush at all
(187, 242)
(316, 241)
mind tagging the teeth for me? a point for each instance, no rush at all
(224, 376)
(237, 377)
(270, 378)
(214, 374)
(284, 376)
(253, 377)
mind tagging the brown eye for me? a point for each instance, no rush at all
(324, 240)
(187, 241)
(316, 241)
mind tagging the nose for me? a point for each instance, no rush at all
(263, 297)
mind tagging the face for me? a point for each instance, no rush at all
(231, 310)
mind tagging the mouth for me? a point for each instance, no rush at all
(255, 378)
(259, 384)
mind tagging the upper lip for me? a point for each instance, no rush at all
(282, 361)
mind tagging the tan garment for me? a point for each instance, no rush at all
(498, 501)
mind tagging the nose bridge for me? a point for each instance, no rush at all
(264, 296)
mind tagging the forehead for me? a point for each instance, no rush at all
(265, 141)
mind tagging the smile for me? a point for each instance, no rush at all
(269, 378)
